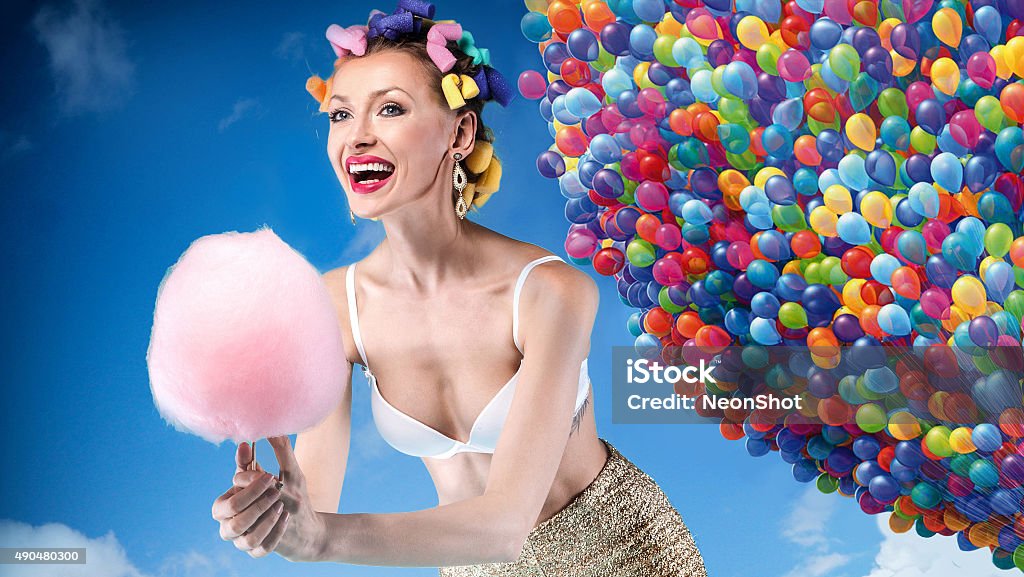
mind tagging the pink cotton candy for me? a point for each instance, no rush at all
(245, 341)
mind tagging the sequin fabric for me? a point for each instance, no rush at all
(621, 524)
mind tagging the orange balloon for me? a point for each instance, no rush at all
(806, 150)
(1012, 101)
(597, 15)
(869, 321)
(906, 283)
(681, 122)
(564, 16)
(688, 323)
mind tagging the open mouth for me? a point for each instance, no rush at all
(370, 172)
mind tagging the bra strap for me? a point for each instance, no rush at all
(519, 289)
(353, 314)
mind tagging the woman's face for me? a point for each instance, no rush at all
(389, 136)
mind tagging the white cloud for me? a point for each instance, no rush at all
(818, 565)
(291, 47)
(88, 56)
(807, 526)
(243, 107)
(105, 557)
(910, 555)
(12, 145)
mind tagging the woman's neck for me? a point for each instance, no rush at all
(427, 245)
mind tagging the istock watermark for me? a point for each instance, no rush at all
(655, 387)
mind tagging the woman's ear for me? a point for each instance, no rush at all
(464, 137)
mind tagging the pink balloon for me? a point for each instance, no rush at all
(651, 196)
(935, 304)
(934, 232)
(915, 9)
(981, 68)
(918, 92)
(702, 24)
(793, 66)
(581, 243)
(668, 272)
(668, 237)
(838, 10)
(532, 85)
(965, 128)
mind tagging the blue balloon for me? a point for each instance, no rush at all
(853, 172)
(853, 229)
(881, 167)
(947, 172)
(882, 268)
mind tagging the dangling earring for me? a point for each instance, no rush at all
(459, 180)
(352, 215)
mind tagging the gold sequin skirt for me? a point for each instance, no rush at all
(621, 524)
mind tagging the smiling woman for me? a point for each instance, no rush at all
(478, 343)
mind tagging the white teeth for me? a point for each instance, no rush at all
(375, 166)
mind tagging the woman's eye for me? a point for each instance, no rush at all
(337, 115)
(394, 109)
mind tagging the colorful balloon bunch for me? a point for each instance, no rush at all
(843, 175)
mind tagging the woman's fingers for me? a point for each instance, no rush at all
(237, 525)
(244, 456)
(230, 504)
(257, 534)
(273, 538)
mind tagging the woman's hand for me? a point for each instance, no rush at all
(251, 515)
(298, 530)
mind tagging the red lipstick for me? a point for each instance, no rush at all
(368, 173)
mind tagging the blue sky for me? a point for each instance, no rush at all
(130, 131)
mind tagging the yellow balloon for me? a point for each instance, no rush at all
(876, 209)
(752, 32)
(762, 176)
(904, 426)
(960, 440)
(946, 75)
(948, 27)
(1015, 55)
(823, 221)
(838, 199)
(669, 25)
(851, 295)
(969, 295)
(860, 129)
(537, 6)
(956, 316)
(901, 66)
(998, 54)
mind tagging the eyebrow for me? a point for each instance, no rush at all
(373, 94)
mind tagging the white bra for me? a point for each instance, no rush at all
(412, 437)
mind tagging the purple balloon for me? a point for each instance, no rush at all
(847, 328)
(720, 53)
(865, 38)
(615, 38)
(906, 41)
(771, 88)
(878, 62)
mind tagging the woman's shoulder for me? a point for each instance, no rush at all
(555, 279)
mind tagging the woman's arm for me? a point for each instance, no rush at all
(557, 310)
(322, 452)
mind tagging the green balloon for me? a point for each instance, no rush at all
(998, 238)
(990, 114)
(1014, 304)
(792, 315)
(768, 58)
(921, 140)
(844, 61)
(827, 483)
(640, 252)
(789, 218)
(666, 303)
(892, 102)
(937, 441)
(871, 418)
(733, 109)
(663, 50)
